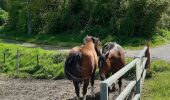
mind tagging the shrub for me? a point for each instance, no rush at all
(142, 17)
(3, 17)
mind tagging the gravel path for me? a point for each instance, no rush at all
(33, 45)
(161, 52)
(31, 89)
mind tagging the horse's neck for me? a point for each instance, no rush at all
(89, 45)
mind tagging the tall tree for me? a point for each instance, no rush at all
(29, 18)
(3, 4)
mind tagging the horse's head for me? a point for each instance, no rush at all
(107, 47)
(112, 55)
(104, 65)
(95, 41)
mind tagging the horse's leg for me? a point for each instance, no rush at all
(112, 87)
(77, 89)
(86, 83)
(92, 83)
(120, 84)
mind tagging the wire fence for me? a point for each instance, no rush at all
(32, 63)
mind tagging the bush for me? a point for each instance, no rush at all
(142, 17)
(3, 17)
(116, 18)
(164, 23)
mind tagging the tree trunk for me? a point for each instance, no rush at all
(29, 18)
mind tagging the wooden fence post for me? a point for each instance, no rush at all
(17, 62)
(147, 54)
(104, 91)
(4, 57)
(138, 76)
(37, 60)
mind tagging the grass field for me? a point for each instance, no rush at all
(157, 87)
(74, 39)
(49, 64)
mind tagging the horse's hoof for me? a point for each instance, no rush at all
(77, 98)
(84, 97)
(119, 91)
(92, 92)
(93, 95)
(112, 89)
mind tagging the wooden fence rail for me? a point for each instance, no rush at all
(140, 62)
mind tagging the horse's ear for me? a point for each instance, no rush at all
(94, 40)
(98, 40)
(107, 54)
(84, 40)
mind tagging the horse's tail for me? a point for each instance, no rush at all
(72, 67)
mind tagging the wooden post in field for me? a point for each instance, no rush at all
(17, 62)
(147, 54)
(4, 57)
(37, 60)
(43, 60)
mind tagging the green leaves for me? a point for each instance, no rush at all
(3, 17)
(142, 17)
(132, 18)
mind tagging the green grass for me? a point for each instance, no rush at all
(157, 87)
(162, 37)
(60, 40)
(50, 62)
(73, 39)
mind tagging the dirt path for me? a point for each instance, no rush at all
(160, 52)
(33, 45)
(31, 89)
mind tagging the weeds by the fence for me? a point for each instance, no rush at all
(36, 63)
(157, 87)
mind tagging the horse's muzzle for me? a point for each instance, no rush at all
(102, 77)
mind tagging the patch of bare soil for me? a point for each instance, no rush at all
(31, 89)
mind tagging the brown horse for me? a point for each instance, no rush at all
(111, 61)
(80, 65)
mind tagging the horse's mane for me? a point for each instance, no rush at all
(116, 46)
(109, 46)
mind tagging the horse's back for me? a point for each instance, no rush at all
(74, 51)
(89, 61)
(117, 56)
(80, 63)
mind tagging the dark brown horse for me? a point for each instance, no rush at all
(81, 63)
(111, 61)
